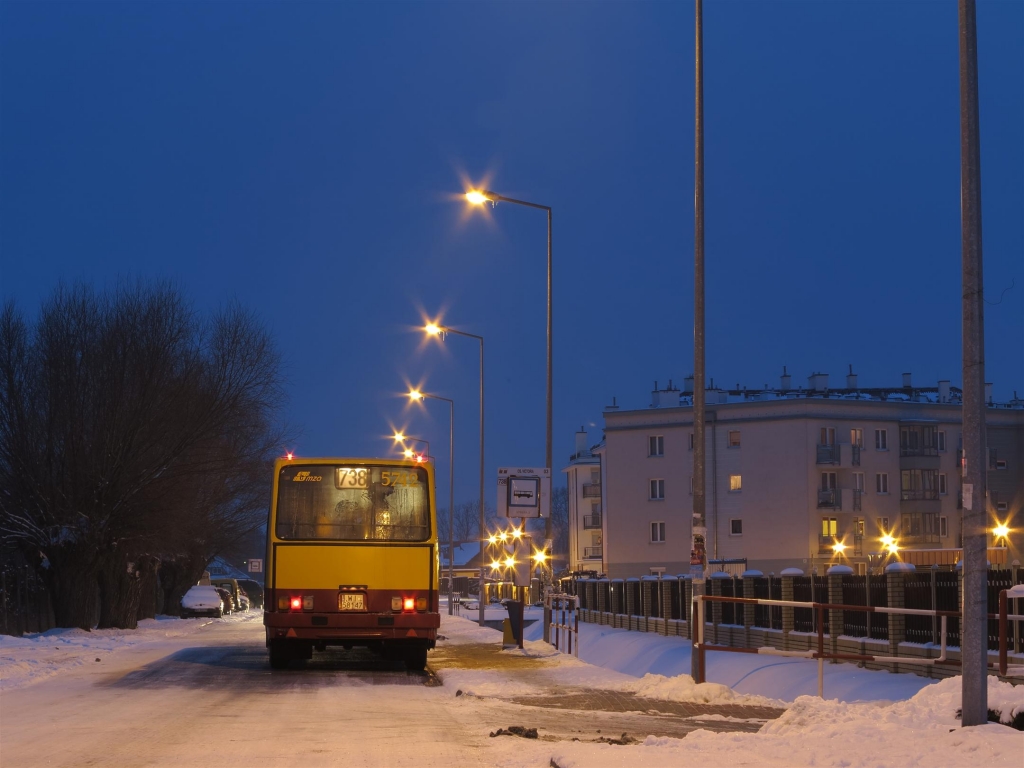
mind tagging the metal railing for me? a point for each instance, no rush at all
(830, 499)
(565, 621)
(591, 490)
(923, 450)
(855, 455)
(590, 553)
(828, 454)
(857, 499)
(919, 495)
(592, 521)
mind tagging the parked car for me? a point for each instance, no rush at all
(254, 591)
(243, 600)
(202, 601)
(225, 596)
(231, 585)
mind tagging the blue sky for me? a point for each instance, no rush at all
(306, 158)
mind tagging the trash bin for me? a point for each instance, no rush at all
(515, 617)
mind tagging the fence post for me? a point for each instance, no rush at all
(716, 608)
(748, 610)
(934, 604)
(787, 611)
(895, 585)
(835, 595)
(1014, 570)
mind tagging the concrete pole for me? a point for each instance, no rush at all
(974, 638)
(699, 542)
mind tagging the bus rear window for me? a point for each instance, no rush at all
(353, 503)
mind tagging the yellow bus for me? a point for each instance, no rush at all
(352, 559)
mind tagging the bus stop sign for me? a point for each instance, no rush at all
(524, 492)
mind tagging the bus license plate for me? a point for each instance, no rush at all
(350, 602)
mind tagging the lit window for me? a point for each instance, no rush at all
(829, 526)
(657, 490)
(735, 482)
(734, 438)
(735, 527)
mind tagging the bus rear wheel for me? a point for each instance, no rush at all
(416, 659)
(280, 654)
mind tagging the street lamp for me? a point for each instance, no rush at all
(1001, 531)
(479, 197)
(433, 329)
(418, 397)
(409, 453)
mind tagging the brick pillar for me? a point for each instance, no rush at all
(787, 611)
(835, 618)
(666, 601)
(748, 610)
(894, 586)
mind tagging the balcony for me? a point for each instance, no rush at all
(592, 521)
(591, 490)
(919, 495)
(918, 540)
(918, 451)
(829, 454)
(857, 493)
(826, 543)
(592, 553)
(855, 455)
(830, 499)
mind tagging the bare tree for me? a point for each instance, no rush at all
(131, 430)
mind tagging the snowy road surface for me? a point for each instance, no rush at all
(201, 694)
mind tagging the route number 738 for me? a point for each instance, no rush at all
(397, 478)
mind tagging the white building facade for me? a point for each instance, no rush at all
(586, 532)
(802, 478)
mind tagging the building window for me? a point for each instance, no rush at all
(882, 482)
(942, 483)
(735, 527)
(883, 524)
(1000, 463)
(657, 533)
(829, 526)
(881, 440)
(734, 438)
(656, 445)
(857, 437)
(1002, 506)
(829, 481)
(827, 436)
(943, 527)
(941, 440)
(858, 481)
(691, 441)
(657, 490)
(735, 483)
(858, 526)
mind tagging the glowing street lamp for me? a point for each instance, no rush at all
(540, 558)
(417, 396)
(1001, 531)
(440, 331)
(839, 547)
(510, 562)
(479, 197)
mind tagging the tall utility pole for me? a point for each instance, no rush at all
(698, 547)
(974, 641)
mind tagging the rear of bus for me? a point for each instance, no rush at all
(352, 559)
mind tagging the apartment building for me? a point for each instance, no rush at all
(803, 477)
(586, 535)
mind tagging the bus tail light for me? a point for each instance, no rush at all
(421, 603)
(296, 603)
(307, 603)
(282, 603)
(408, 604)
(396, 603)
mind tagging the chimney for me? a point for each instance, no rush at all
(688, 385)
(851, 379)
(786, 380)
(654, 395)
(613, 407)
(944, 391)
(581, 442)
(988, 392)
(906, 381)
(817, 382)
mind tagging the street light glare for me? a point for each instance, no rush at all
(399, 437)
(476, 197)
(408, 453)
(433, 329)
(839, 547)
(415, 395)
(509, 562)
(517, 532)
(540, 557)
(495, 565)
(1001, 530)
(492, 539)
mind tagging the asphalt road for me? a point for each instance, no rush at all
(211, 699)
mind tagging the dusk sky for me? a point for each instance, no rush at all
(308, 159)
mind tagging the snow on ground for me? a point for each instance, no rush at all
(38, 656)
